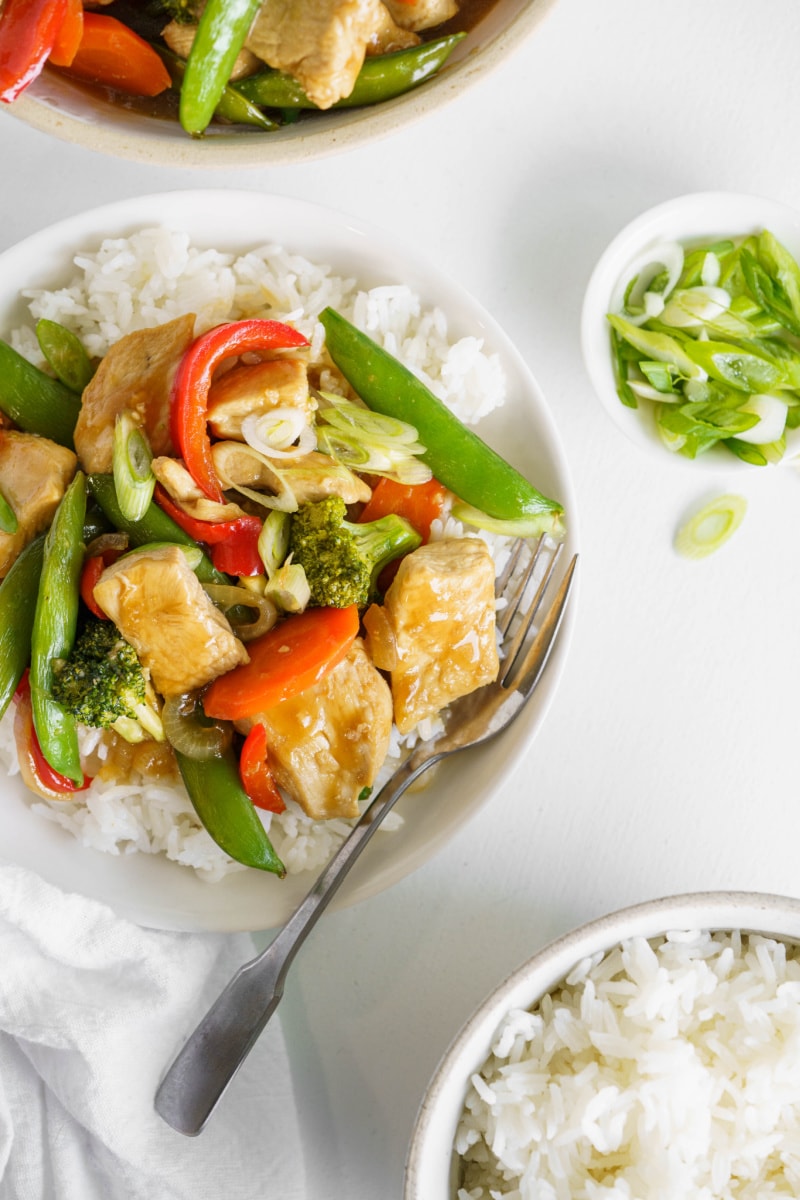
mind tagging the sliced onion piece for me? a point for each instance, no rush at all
(283, 432)
(189, 731)
(229, 597)
(711, 527)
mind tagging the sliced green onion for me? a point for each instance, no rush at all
(288, 588)
(531, 526)
(273, 541)
(134, 480)
(8, 518)
(283, 432)
(193, 554)
(343, 414)
(370, 442)
(711, 527)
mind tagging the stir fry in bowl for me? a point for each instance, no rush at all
(246, 562)
(242, 62)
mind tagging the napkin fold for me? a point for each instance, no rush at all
(92, 1010)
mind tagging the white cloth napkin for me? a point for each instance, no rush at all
(92, 1009)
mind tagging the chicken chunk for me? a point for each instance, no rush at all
(421, 14)
(137, 375)
(255, 389)
(159, 606)
(329, 742)
(321, 42)
(34, 474)
(309, 477)
(176, 480)
(435, 633)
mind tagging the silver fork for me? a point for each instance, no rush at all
(209, 1059)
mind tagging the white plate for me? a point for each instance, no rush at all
(148, 888)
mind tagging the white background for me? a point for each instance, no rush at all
(667, 762)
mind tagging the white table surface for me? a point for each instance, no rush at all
(666, 763)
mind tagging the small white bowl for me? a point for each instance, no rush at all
(432, 1166)
(58, 106)
(694, 218)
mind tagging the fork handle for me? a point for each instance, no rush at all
(214, 1052)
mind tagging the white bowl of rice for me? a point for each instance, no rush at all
(66, 109)
(653, 1053)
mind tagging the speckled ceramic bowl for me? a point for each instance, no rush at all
(56, 106)
(432, 1168)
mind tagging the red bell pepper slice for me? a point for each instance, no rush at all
(193, 378)
(233, 544)
(49, 779)
(28, 30)
(92, 570)
(255, 773)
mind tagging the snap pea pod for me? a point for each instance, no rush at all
(227, 812)
(18, 593)
(233, 106)
(36, 402)
(223, 26)
(382, 77)
(458, 457)
(54, 623)
(154, 526)
(65, 353)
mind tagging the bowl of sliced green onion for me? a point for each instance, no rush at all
(691, 330)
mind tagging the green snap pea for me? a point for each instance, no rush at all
(223, 26)
(54, 623)
(458, 457)
(36, 402)
(18, 593)
(227, 812)
(154, 526)
(382, 77)
(233, 107)
(65, 353)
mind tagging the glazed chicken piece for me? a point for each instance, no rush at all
(176, 480)
(159, 606)
(329, 742)
(136, 374)
(255, 389)
(435, 633)
(310, 476)
(321, 42)
(34, 474)
(421, 14)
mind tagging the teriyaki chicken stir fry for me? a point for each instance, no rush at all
(231, 573)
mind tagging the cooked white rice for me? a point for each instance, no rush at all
(662, 1070)
(148, 279)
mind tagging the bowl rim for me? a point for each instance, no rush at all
(344, 130)
(431, 1160)
(687, 217)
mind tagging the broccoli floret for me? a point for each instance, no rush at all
(102, 683)
(342, 560)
